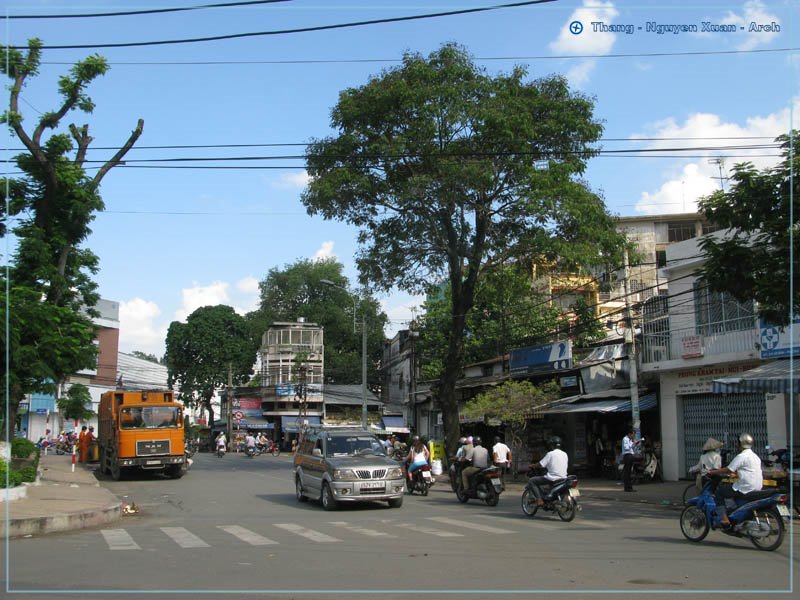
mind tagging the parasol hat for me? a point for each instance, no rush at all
(712, 444)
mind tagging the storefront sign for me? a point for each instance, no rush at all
(700, 380)
(777, 342)
(541, 359)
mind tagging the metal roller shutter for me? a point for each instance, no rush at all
(722, 416)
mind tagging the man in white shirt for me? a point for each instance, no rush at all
(501, 456)
(747, 467)
(250, 442)
(629, 444)
(478, 457)
(556, 462)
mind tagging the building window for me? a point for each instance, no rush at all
(709, 228)
(678, 232)
(401, 384)
(661, 258)
(719, 312)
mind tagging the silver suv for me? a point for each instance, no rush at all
(345, 465)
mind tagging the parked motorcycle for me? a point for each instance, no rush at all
(562, 499)
(421, 480)
(485, 485)
(758, 517)
(63, 448)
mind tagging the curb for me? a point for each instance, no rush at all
(31, 526)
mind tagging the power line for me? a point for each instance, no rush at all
(313, 61)
(143, 12)
(347, 25)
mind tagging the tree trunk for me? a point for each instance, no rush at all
(452, 371)
(14, 398)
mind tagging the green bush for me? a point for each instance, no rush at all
(27, 473)
(22, 447)
(14, 478)
(3, 472)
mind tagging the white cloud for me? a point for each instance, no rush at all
(687, 182)
(197, 296)
(291, 181)
(579, 73)
(589, 41)
(138, 329)
(249, 297)
(325, 251)
(248, 285)
(752, 11)
(401, 311)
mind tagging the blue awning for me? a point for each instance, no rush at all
(776, 377)
(394, 425)
(604, 406)
(289, 424)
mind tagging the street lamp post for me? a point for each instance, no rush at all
(364, 423)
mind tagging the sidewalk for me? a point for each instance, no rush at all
(60, 501)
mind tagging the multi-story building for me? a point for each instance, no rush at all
(690, 338)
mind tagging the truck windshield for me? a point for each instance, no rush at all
(149, 417)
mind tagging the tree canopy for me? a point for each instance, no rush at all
(52, 206)
(296, 290)
(200, 354)
(753, 261)
(449, 173)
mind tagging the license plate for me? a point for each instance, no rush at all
(372, 485)
(152, 462)
(498, 485)
(783, 510)
(426, 474)
(574, 492)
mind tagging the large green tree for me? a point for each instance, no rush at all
(753, 261)
(200, 354)
(52, 204)
(437, 163)
(296, 290)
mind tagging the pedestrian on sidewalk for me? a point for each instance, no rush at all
(83, 445)
(629, 445)
(501, 456)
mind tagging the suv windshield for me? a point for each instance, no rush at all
(353, 445)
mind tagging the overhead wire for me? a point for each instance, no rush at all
(151, 11)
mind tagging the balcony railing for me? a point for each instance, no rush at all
(725, 337)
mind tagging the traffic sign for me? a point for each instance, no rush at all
(238, 415)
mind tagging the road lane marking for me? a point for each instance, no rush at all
(470, 525)
(184, 538)
(314, 536)
(246, 535)
(361, 530)
(429, 530)
(119, 539)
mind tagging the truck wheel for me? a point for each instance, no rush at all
(175, 471)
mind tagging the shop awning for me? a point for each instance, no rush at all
(394, 425)
(775, 377)
(602, 406)
(289, 424)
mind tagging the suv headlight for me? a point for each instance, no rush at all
(344, 475)
(394, 473)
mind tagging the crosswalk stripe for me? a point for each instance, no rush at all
(314, 536)
(470, 525)
(361, 530)
(184, 538)
(119, 539)
(246, 535)
(429, 530)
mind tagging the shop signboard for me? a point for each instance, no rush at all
(700, 380)
(542, 359)
(692, 346)
(779, 342)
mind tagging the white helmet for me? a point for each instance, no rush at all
(746, 440)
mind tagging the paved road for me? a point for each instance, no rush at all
(233, 524)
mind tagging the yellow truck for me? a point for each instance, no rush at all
(141, 430)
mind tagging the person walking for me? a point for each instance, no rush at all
(501, 457)
(83, 445)
(629, 444)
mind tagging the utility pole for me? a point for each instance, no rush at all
(719, 162)
(630, 343)
(230, 403)
(364, 422)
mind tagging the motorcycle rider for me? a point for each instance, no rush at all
(710, 459)
(222, 441)
(418, 455)
(556, 462)
(250, 443)
(479, 458)
(747, 467)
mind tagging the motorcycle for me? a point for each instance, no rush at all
(562, 498)
(63, 448)
(220, 451)
(269, 448)
(251, 451)
(485, 485)
(759, 516)
(421, 480)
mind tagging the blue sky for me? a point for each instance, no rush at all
(172, 240)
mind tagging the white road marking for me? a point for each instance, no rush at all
(429, 530)
(119, 539)
(314, 536)
(246, 535)
(470, 525)
(361, 530)
(184, 538)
